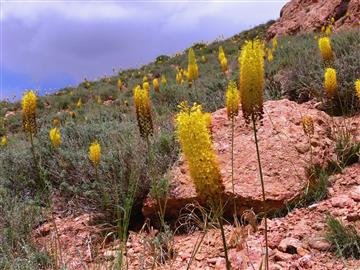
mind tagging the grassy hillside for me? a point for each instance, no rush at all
(296, 72)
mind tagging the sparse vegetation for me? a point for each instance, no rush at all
(345, 240)
(133, 142)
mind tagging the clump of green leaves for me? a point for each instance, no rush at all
(345, 240)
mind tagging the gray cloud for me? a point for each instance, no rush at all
(45, 41)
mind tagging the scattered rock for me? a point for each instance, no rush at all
(342, 201)
(305, 16)
(355, 193)
(290, 245)
(281, 256)
(319, 244)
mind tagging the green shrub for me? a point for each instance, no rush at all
(345, 240)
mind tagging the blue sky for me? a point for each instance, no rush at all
(47, 45)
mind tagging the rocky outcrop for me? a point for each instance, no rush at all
(309, 15)
(285, 155)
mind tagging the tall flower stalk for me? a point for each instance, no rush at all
(95, 157)
(222, 60)
(29, 124)
(143, 111)
(357, 89)
(193, 70)
(192, 128)
(232, 108)
(326, 50)
(252, 81)
(156, 85)
(309, 129)
(55, 137)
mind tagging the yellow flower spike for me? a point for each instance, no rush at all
(270, 56)
(232, 100)
(95, 154)
(308, 125)
(163, 80)
(143, 111)
(330, 82)
(98, 99)
(119, 84)
(192, 129)
(325, 49)
(252, 79)
(357, 88)
(29, 112)
(156, 85)
(332, 20)
(179, 78)
(223, 64)
(328, 30)
(146, 86)
(323, 28)
(145, 79)
(79, 103)
(55, 137)
(193, 71)
(221, 53)
(4, 140)
(274, 43)
(203, 59)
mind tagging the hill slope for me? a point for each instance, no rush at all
(106, 114)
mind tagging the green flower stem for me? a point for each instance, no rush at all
(263, 191)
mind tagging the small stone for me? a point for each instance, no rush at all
(355, 194)
(281, 256)
(319, 244)
(342, 201)
(305, 261)
(302, 148)
(290, 245)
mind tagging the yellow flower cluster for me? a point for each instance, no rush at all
(203, 59)
(270, 56)
(179, 76)
(192, 128)
(325, 49)
(222, 59)
(143, 111)
(156, 85)
(252, 79)
(328, 30)
(29, 112)
(119, 84)
(146, 86)
(357, 88)
(193, 71)
(4, 140)
(55, 137)
(274, 43)
(308, 125)
(79, 103)
(330, 82)
(95, 153)
(163, 80)
(232, 100)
